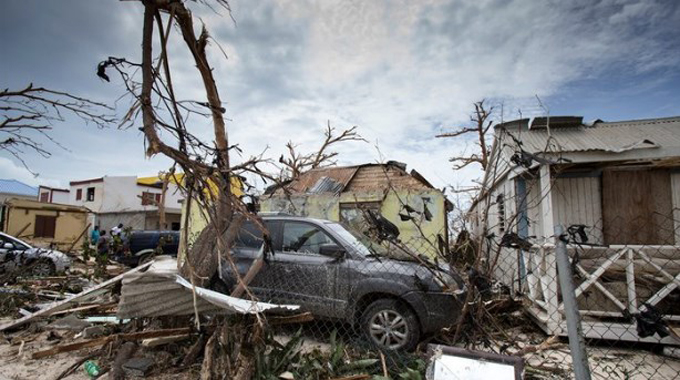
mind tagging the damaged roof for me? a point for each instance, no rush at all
(367, 177)
(569, 134)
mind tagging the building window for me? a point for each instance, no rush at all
(45, 226)
(45, 197)
(352, 214)
(90, 194)
(150, 199)
(79, 194)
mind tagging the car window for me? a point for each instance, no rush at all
(303, 238)
(250, 236)
(16, 243)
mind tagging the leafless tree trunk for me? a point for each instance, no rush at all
(208, 182)
(480, 129)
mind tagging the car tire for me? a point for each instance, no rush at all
(145, 259)
(42, 268)
(391, 325)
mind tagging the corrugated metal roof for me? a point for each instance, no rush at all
(602, 136)
(326, 185)
(307, 180)
(160, 291)
(12, 186)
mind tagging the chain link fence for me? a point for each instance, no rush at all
(376, 302)
(625, 276)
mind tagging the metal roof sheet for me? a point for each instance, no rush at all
(12, 186)
(307, 180)
(602, 136)
(326, 185)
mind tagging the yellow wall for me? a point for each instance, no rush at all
(327, 206)
(197, 217)
(69, 224)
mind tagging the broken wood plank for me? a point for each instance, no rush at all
(154, 342)
(282, 320)
(64, 304)
(71, 347)
(83, 308)
(102, 341)
(252, 272)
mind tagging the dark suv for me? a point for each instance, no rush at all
(144, 245)
(339, 274)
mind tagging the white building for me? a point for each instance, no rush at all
(48, 194)
(129, 200)
(621, 180)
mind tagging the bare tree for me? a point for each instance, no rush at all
(29, 114)
(297, 163)
(481, 126)
(208, 170)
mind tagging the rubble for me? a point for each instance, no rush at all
(137, 367)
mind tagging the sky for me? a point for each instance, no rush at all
(402, 71)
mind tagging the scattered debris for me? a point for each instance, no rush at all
(137, 367)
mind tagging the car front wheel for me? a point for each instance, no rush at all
(43, 268)
(390, 324)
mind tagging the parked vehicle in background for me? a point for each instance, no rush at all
(142, 246)
(338, 274)
(16, 254)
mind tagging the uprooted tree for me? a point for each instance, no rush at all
(29, 114)
(209, 173)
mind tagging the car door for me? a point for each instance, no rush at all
(246, 249)
(298, 272)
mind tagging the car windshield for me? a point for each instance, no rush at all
(360, 242)
(18, 244)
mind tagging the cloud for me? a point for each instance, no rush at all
(10, 170)
(402, 71)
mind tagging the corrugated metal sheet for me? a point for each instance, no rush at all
(12, 186)
(156, 293)
(306, 181)
(326, 185)
(602, 136)
(160, 291)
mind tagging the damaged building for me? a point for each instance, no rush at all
(615, 189)
(347, 193)
(130, 200)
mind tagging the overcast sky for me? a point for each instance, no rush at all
(403, 71)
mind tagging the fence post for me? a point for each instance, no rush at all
(577, 345)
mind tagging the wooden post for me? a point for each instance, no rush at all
(78, 238)
(18, 234)
(547, 216)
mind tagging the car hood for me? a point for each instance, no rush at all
(424, 269)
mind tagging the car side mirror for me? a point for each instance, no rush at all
(8, 246)
(332, 250)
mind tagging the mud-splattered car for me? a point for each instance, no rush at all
(16, 254)
(339, 274)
